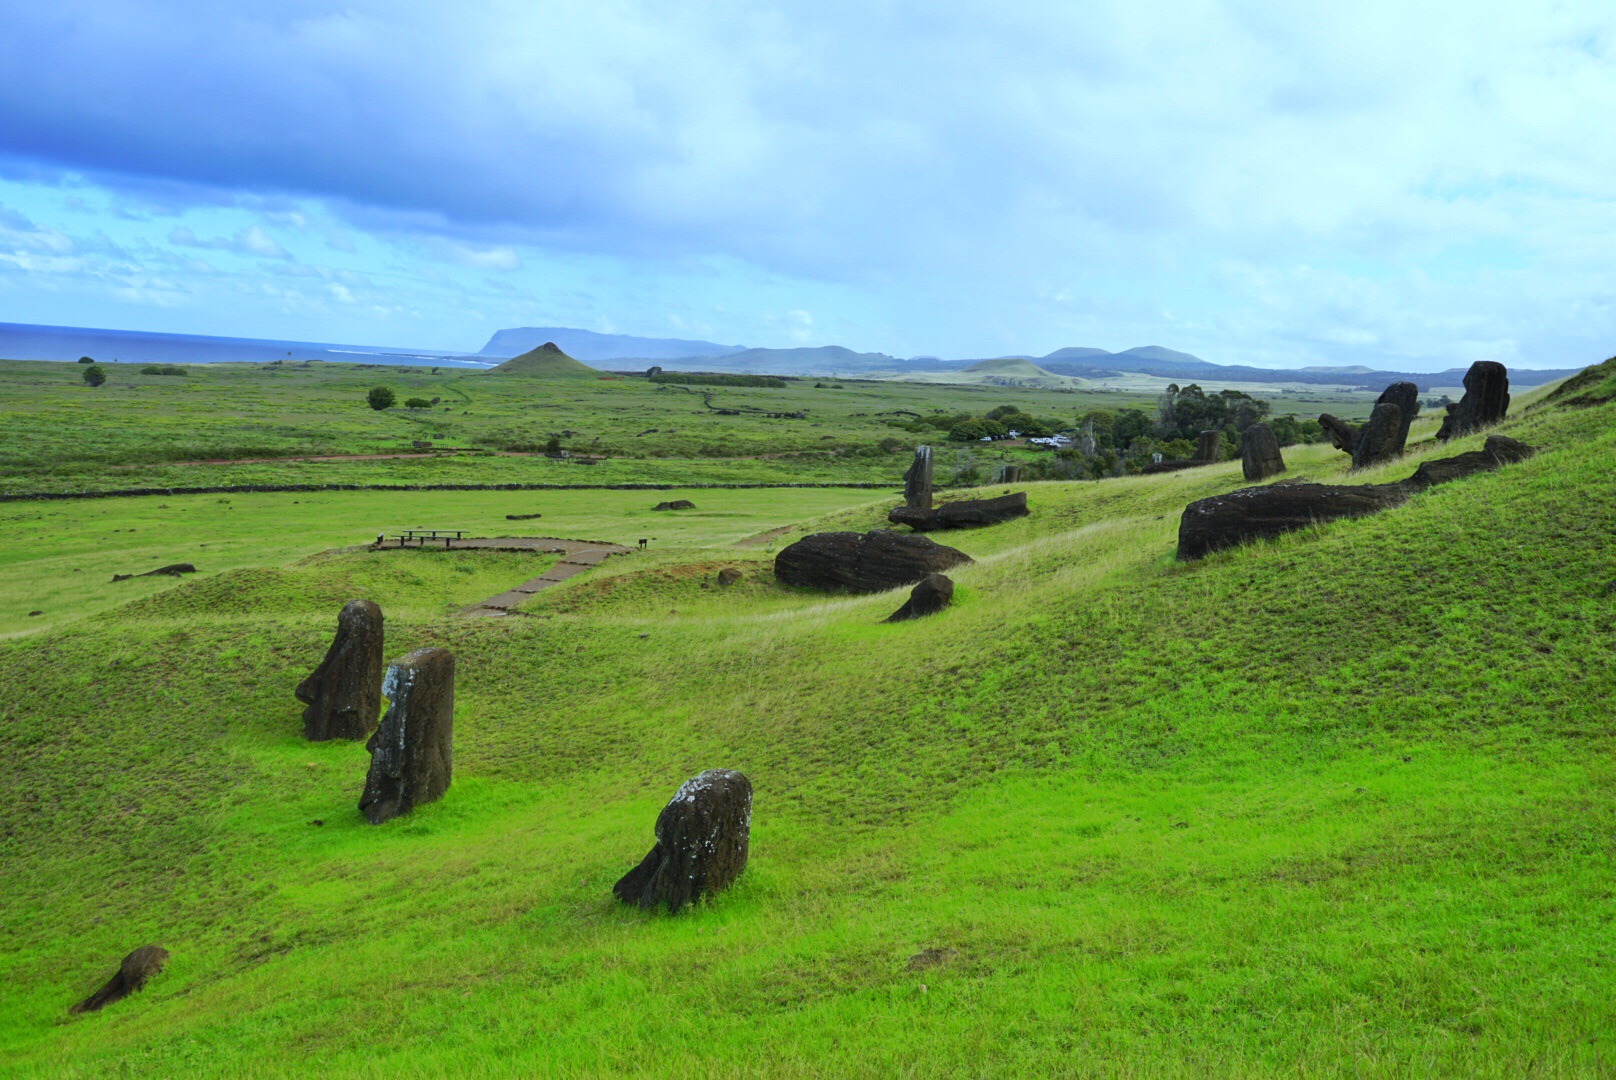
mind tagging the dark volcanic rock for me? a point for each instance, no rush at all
(933, 594)
(1485, 401)
(344, 694)
(1499, 450)
(917, 480)
(411, 754)
(701, 843)
(1259, 453)
(1381, 438)
(677, 504)
(868, 562)
(1222, 521)
(728, 576)
(1209, 447)
(958, 515)
(1385, 435)
(171, 570)
(1253, 513)
(131, 975)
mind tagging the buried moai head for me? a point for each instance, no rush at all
(701, 843)
(344, 694)
(412, 752)
(1259, 453)
(917, 480)
(131, 975)
(1485, 401)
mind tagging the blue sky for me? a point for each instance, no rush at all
(1403, 185)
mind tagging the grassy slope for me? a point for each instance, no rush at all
(59, 557)
(1340, 803)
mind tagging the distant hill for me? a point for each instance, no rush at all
(1002, 371)
(25, 341)
(592, 347)
(546, 361)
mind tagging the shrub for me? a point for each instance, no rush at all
(163, 369)
(85, 360)
(380, 397)
(417, 403)
(94, 375)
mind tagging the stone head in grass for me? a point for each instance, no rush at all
(344, 694)
(412, 752)
(701, 843)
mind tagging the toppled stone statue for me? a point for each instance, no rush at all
(1386, 433)
(1259, 453)
(1254, 513)
(677, 504)
(701, 843)
(959, 515)
(917, 480)
(171, 570)
(412, 753)
(869, 562)
(131, 975)
(933, 594)
(344, 694)
(1485, 401)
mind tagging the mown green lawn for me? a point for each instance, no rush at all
(1338, 804)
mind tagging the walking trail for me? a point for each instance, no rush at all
(576, 557)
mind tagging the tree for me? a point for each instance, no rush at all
(85, 360)
(417, 403)
(380, 397)
(94, 375)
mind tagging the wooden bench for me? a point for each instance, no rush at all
(421, 537)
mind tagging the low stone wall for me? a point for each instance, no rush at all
(248, 489)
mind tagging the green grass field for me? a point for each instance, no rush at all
(251, 423)
(1338, 804)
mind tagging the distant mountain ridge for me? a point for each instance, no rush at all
(590, 347)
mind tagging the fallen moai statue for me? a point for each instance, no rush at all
(1248, 514)
(701, 843)
(933, 594)
(171, 570)
(677, 504)
(863, 562)
(1386, 433)
(1485, 401)
(344, 694)
(131, 975)
(917, 480)
(412, 752)
(1259, 453)
(959, 515)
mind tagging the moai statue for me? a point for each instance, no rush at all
(917, 481)
(701, 843)
(1259, 453)
(344, 694)
(412, 753)
(1209, 447)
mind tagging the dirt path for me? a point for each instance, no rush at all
(576, 557)
(764, 537)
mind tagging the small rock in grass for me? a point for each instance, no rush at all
(701, 843)
(131, 975)
(728, 576)
(31, 614)
(933, 594)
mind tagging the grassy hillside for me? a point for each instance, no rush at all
(1337, 804)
